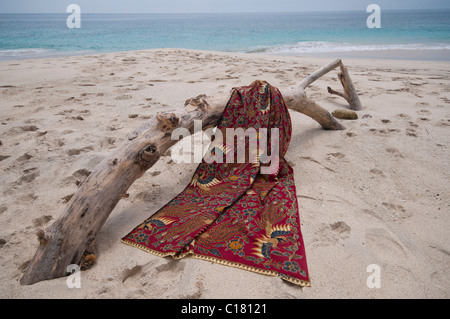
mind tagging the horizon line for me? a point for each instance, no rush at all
(228, 12)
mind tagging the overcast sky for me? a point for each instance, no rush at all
(189, 6)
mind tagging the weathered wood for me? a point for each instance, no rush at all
(72, 235)
(320, 72)
(70, 239)
(349, 94)
(312, 109)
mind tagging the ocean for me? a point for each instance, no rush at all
(24, 36)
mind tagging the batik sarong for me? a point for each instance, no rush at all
(242, 210)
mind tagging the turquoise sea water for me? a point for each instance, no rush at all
(43, 35)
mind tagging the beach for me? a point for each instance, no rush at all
(375, 193)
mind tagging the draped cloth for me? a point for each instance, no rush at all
(241, 211)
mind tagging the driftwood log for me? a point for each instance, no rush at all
(70, 239)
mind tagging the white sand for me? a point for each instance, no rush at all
(376, 193)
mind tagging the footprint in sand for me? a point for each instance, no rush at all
(422, 112)
(22, 129)
(397, 212)
(446, 100)
(129, 59)
(77, 151)
(330, 234)
(172, 269)
(81, 173)
(411, 132)
(371, 213)
(41, 221)
(443, 123)
(377, 172)
(24, 158)
(394, 207)
(337, 155)
(340, 227)
(404, 116)
(199, 289)
(123, 97)
(384, 247)
(77, 177)
(27, 198)
(131, 273)
(65, 112)
(3, 157)
(394, 152)
(72, 99)
(29, 175)
(108, 142)
(383, 131)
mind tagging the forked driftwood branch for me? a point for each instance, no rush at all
(70, 239)
(349, 89)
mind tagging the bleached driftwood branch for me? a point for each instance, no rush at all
(70, 239)
(349, 93)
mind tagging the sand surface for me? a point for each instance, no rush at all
(376, 193)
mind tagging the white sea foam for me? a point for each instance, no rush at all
(33, 53)
(23, 53)
(322, 46)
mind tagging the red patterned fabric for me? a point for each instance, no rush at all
(232, 213)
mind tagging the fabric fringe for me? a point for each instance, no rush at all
(174, 255)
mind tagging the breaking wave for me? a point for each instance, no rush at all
(324, 47)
